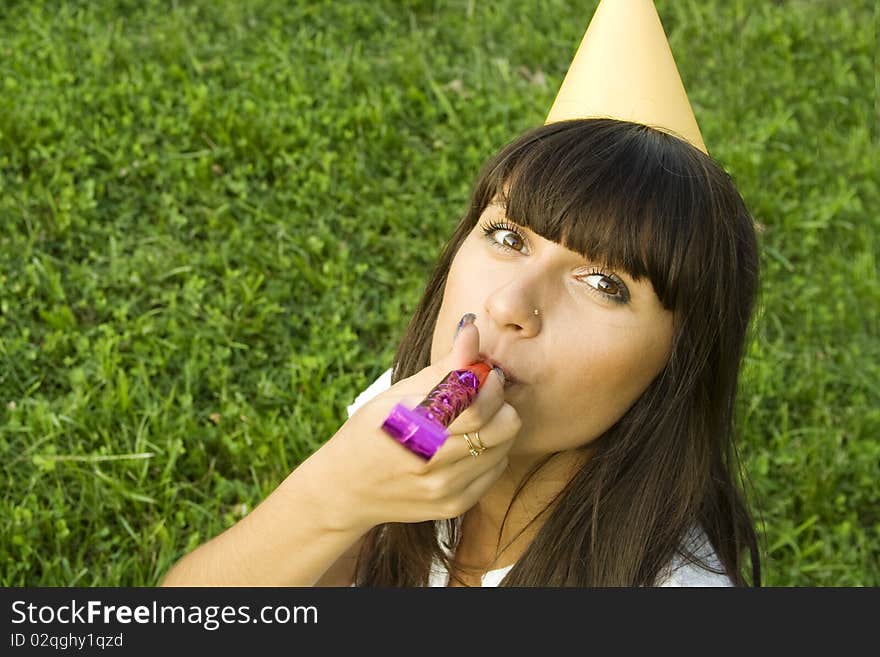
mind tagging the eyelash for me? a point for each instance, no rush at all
(493, 227)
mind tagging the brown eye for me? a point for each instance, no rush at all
(512, 241)
(509, 240)
(608, 287)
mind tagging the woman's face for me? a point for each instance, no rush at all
(600, 338)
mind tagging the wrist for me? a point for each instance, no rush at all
(328, 502)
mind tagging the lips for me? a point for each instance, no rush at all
(510, 377)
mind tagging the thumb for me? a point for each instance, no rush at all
(465, 346)
(465, 351)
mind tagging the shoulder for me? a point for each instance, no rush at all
(378, 386)
(705, 571)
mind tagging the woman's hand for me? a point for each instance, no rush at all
(373, 479)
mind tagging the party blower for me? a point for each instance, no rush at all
(423, 429)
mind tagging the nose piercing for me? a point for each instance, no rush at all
(536, 311)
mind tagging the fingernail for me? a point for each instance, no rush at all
(467, 318)
(499, 372)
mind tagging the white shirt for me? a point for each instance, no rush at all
(678, 573)
(378, 386)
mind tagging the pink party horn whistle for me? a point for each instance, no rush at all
(423, 429)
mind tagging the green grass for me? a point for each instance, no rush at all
(217, 218)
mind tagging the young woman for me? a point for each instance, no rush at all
(610, 270)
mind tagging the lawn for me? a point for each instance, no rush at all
(216, 219)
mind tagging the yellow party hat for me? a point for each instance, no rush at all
(624, 70)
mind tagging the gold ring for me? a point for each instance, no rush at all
(480, 444)
(474, 451)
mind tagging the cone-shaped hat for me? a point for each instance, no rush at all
(624, 70)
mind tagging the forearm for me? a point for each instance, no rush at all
(290, 539)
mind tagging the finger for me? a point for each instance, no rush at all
(465, 351)
(460, 473)
(465, 348)
(502, 428)
(478, 487)
(488, 401)
(466, 345)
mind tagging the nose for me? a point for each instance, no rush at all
(514, 307)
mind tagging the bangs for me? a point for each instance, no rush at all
(620, 194)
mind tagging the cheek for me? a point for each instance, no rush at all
(599, 385)
(460, 277)
(609, 385)
(619, 363)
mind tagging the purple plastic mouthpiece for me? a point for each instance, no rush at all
(423, 429)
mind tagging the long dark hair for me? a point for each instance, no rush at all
(638, 199)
